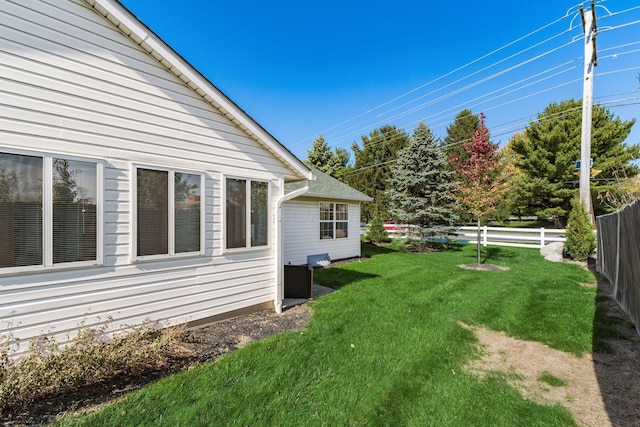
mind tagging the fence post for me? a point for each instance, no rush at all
(541, 237)
(615, 284)
(484, 237)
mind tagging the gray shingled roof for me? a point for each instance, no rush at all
(326, 186)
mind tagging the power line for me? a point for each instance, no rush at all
(490, 108)
(506, 131)
(468, 64)
(483, 97)
(457, 91)
(449, 95)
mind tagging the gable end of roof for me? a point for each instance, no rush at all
(119, 16)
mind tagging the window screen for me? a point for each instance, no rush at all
(152, 212)
(187, 212)
(21, 181)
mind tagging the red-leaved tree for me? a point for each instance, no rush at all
(484, 178)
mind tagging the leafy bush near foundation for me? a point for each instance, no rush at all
(49, 368)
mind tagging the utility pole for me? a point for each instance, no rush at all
(590, 61)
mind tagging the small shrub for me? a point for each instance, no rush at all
(376, 233)
(580, 238)
(47, 368)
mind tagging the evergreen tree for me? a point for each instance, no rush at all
(376, 233)
(421, 189)
(372, 168)
(580, 238)
(460, 132)
(330, 162)
(550, 146)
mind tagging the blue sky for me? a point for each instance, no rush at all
(343, 68)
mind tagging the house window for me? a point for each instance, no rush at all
(334, 220)
(246, 199)
(74, 211)
(48, 210)
(168, 212)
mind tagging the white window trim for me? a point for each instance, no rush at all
(333, 221)
(47, 215)
(247, 247)
(170, 217)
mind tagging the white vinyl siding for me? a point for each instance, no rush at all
(73, 84)
(300, 219)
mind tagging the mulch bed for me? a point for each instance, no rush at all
(207, 342)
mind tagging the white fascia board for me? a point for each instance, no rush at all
(338, 197)
(131, 26)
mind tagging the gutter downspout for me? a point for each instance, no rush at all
(278, 291)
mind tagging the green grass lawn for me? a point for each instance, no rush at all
(386, 350)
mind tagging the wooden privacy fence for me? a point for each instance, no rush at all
(498, 236)
(618, 257)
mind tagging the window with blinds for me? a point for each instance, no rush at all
(74, 211)
(47, 218)
(168, 212)
(246, 199)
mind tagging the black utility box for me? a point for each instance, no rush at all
(298, 281)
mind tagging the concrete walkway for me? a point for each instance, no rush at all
(318, 291)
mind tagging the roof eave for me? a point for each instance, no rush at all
(131, 26)
(337, 197)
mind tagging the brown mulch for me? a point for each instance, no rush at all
(483, 267)
(207, 344)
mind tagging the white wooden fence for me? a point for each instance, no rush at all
(517, 237)
(499, 236)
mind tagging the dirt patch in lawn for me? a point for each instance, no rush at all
(526, 364)
(599, 389)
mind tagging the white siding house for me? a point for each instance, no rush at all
(130, 187)
(325, 219)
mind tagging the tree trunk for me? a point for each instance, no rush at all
(478, 240)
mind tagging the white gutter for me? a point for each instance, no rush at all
(279, 288)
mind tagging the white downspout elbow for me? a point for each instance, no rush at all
(279, 288)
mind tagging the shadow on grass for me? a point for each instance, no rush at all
(492, 253)
(337, 277)
(369, 250)
(616, 356)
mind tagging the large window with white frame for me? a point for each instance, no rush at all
(49, 209)
(168, 212)
(334, 220)
(246, 213)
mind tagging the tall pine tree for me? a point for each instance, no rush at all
(372, 168)
(460, 132)
(421, 190)
(330, 162)
(550, 146)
